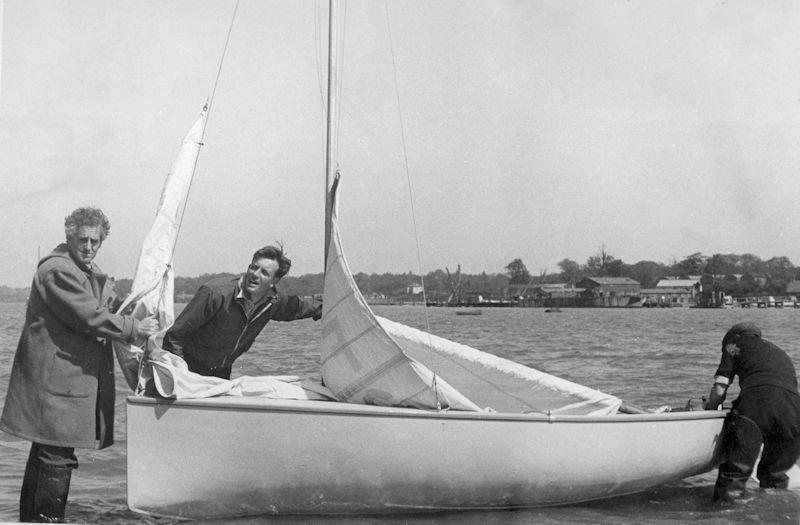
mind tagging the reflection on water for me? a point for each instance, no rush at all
(647, 357)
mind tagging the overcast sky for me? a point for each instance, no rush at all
(538, 130)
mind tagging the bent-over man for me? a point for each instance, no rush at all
(226, 314)
(767, 411)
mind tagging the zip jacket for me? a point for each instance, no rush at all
(214, 329)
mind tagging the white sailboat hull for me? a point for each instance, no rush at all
(228, 457)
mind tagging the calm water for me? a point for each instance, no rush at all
(647, 357)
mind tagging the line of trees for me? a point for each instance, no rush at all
(732, 274)
(739, 275)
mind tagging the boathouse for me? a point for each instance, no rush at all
(672, 292)
(548, 294)
(668, 297)
(610, 291)
(610, 286)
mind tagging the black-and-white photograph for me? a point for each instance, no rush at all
(399, 262)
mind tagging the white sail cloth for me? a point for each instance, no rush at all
(152, 288)
(360, 362)
(370, 360)
(497, 383)
(172, 379)
(152, 296)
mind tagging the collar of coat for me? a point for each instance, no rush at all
(269, 296)
(62, 251)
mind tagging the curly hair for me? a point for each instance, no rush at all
(87, 217)
(275, 253)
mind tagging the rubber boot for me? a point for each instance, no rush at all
(742, 445)
(26, 496)
(729, 488)
(776, 460)
(51, 494)
(781, 483)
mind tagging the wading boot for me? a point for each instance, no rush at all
(776, 460)
(28, 492)
(729, 488)
(52, 489)
(742, 443)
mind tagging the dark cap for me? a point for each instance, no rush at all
(739, 330)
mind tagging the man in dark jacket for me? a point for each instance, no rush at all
(767, 411)
(61, 391)
(224, 317)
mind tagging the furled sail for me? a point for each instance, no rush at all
(370, 360)
(152, 288)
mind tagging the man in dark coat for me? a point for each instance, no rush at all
(767, 411)
(224, 317)
(61, 390)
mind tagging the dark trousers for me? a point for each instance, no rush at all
(54, 456)
(763, 415)
(46, 483)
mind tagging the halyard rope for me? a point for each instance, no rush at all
(410, 194)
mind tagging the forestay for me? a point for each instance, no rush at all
(370, 360)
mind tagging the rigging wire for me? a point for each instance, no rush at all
(320, 80)
(410, 192)
(222, 58)
(405, 162)
(207, 109)
(178, 220)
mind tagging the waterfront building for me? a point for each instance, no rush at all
(667, 297)
(610, 291)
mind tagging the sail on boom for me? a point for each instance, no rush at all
(367, 359)
(498, 383)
